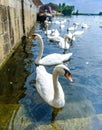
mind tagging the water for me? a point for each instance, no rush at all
(83, 108)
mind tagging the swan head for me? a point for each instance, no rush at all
(66, 36)
(63, 70)
(35, 36)
(32, 36)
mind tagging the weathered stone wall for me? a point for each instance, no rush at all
(17, 17)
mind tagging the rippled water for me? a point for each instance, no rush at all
(83, 96)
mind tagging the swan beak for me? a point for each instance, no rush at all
(68, 76)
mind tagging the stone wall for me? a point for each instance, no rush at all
(17, 17)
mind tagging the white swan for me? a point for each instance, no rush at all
(84, 25)
(49, 87)
(47, 31)
(51, 59)
(62, 24)
(77, 33)
(73, 28)
(55, 32)
(64, 43)
(71, 37)
(51, 32)
(54, 35)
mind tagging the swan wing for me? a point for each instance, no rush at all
(44, 84)
(48, 32)
(55, 58)
(54, 38)
(45, 88)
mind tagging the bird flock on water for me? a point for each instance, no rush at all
(47, 84)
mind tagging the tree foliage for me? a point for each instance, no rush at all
(67, 10)
(100, 13)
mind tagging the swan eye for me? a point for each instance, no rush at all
(67, 72)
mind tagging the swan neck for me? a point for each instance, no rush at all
(55, 83)
(40, 53)
(65, 40)
(47, 29)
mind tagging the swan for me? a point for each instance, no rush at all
(54, 36)
(73, 28)
(77, 33)
(51, 59)
(84, 25)
(62, 24)
(55, 32)
(47, 32)
(51, 32)
(63, 42)
(76, 23)
(49, 87)
(71, 37)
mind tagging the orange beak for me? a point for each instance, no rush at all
(69, 77)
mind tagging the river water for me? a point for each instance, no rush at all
(83, 107)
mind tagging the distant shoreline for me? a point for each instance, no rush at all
(86, 14)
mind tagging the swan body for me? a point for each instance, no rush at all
(84, 25)
(49, 87)
(51, 59)
(77, 33)
(73, 28)
(76, 23)
(52, 33)
(47, 31)
(62, 25)
(54, 36)
(55, 32)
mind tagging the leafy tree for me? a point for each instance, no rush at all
(60, 7)
(77, 12)
(68, 10)
(63, 6)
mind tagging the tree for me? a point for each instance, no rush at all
(100, 13)
(68, 10)
(60, 7)
(77, 12)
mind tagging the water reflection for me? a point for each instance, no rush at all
(55, 113)
(12, 79)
